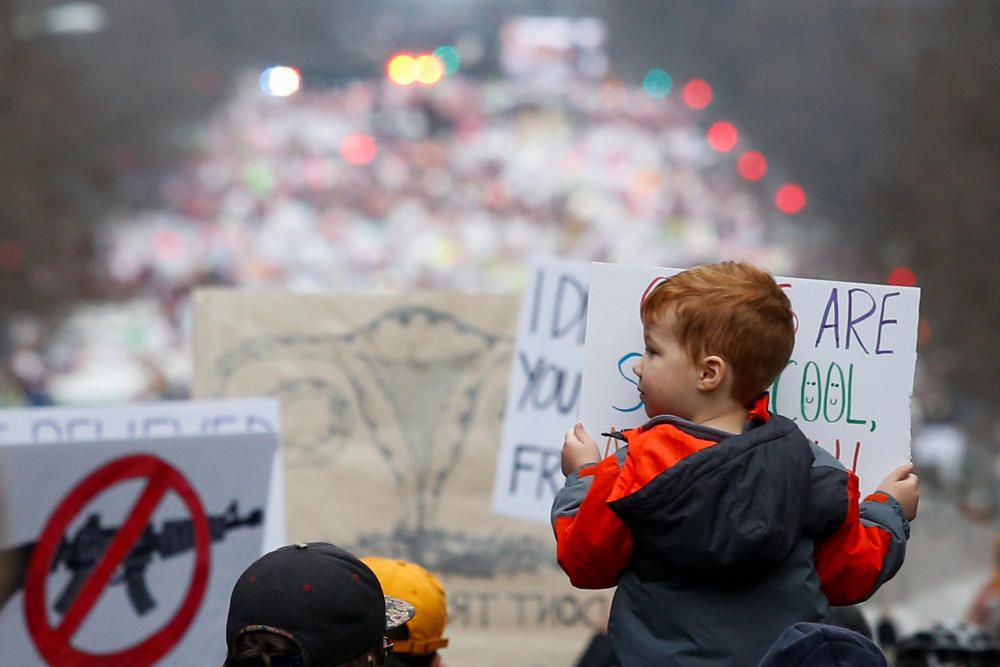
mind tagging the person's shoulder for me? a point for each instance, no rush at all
(783, 427)
(656, 448)
(669, 430)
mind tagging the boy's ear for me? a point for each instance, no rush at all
(712, 373)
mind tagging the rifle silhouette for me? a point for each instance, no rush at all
(81, 554)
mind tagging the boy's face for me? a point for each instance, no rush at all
(668, 380)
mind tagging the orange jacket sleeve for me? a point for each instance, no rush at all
(593, 544)
(866, 550)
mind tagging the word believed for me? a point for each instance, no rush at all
(75, 429)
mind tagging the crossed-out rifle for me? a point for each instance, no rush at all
(81, 554)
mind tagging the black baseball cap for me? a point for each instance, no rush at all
(319, 596)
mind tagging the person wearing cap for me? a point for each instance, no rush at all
(818, 645)
(416, 643)
(311, 605)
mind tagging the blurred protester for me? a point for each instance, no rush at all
(985, 610)
(956, 645)
(25, 365)
(8, 576)
(10, 392)
(598, 653)
(886, 634)
(417, 642)
(851, 618)
(310, 605)
(816, 645)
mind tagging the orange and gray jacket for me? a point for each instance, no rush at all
(718, 542)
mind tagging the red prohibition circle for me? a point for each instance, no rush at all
(54, 642)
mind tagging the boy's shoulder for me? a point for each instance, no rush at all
(668, 430)
(667, 455)
(664, 441)
(682, 451)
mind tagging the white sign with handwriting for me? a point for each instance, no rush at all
(544, 389)
(848, 383)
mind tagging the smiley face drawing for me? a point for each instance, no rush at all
(835, 392)
(811, 392)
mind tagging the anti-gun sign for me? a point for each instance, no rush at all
(544, 388)
(125, 552)
(847, 385)
(158, 420)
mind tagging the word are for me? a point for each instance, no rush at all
(860, 322)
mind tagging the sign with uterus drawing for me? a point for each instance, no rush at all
(391, 413)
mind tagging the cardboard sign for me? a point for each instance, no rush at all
(847, 385)
(392, 406)
(126, 552)
(544, 389)
(139, 421)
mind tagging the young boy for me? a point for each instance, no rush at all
(720, 523)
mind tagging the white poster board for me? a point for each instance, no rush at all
(126, 552)
(544, 389)
(847, 386)
(153, 420)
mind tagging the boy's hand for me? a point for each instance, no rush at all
(578, 449)
(902, 485)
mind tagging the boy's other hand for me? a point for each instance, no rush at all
(578, 449)
(904, 486)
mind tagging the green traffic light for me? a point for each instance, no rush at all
(450, 57)
(657, 83)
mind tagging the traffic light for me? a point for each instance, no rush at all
(657, 83)
(752, 166)
(790, 198)
(697, 94)
(405, 69)
(280, 81)
(723, 136)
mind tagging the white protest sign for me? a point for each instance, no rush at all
(544, 388)
(152, 420)
(847, 385)
(126, 552)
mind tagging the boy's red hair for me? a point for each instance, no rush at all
(733, 310)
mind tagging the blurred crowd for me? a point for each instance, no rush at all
(375, 187)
